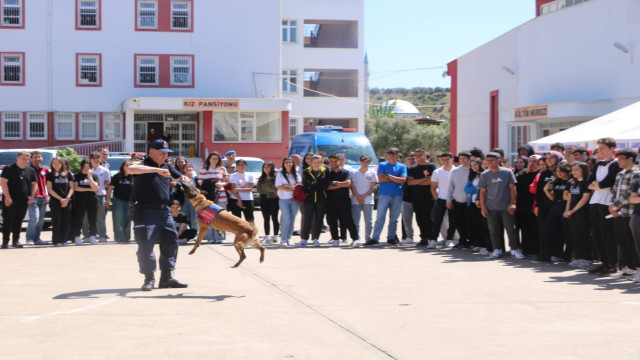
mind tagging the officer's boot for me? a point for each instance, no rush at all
(168, 281)
(149, 282)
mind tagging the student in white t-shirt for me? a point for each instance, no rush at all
(241, 201)
(440, 181)
(364, 181)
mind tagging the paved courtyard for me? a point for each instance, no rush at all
(314, 303)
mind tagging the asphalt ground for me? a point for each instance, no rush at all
(84, 302)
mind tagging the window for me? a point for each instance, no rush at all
(11, 13)
(326, 82)
(247, 126)
(12, 69)
(112, 126)
(12, 126)
(290, 81)
(89, 70)
(65, 126)
(148, 70)
(88, 126)
(289, 31)
(180, 15)
(88, 14)
(147, 14)
(180, 71)
(36, 126)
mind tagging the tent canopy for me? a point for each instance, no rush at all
(622, 125)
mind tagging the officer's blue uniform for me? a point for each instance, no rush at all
(152, 219)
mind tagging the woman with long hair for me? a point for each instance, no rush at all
(187, 208)
(119, 194)
(85, 187)
(60, 189)
(286, 181)
(577, 213)
(212, 179)
(180, 162)
(555, 227)
(269, 205)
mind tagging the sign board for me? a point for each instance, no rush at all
(210, 104)
(530, 113)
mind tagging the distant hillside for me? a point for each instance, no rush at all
(418, 96)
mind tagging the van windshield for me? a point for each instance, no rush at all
(351, 152)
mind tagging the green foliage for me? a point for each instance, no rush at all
(382, 112)
(425, 98)
(406, 135)
(72, 158)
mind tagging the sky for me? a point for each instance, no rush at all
(415, 34)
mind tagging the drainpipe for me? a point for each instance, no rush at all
(50, 70)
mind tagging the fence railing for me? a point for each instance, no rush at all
(88, 148)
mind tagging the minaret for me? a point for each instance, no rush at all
(366, 84)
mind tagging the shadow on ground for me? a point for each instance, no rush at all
(135, 293)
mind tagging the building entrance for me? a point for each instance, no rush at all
(182, 128)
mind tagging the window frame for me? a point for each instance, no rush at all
(189, 15)
(172, 58)
(58, 121)
(246, 116)
(79, 80)
(30, 121)
(286, 79)
(112, 118)
(288, 29)
(139, 25)
(98, 8)
(19, 121)
(21, 55)
(138, 58)
(83, 121)
(21, 16)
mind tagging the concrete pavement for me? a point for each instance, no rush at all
(83, 302)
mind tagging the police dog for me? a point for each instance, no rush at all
(246, 232)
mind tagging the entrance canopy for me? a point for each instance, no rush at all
(622, 125)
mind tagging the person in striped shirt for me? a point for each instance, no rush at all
(212, 178)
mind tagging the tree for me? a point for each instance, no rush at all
(72, 158)
(406, 135)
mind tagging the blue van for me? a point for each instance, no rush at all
(333, 140)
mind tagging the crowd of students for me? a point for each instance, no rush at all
(564, 206)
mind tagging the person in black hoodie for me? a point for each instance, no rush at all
(315, 182)
(526, 151)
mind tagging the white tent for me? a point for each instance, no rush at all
(623, 125)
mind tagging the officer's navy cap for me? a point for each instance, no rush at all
(161, 146)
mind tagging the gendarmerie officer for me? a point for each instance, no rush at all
(152, 220)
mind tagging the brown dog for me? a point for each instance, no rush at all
(246, 232)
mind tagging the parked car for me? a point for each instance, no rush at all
(8, 157)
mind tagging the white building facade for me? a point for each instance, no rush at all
(323, 62)
(208, 72)
(575, 62)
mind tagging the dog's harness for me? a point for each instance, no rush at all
(208, 215)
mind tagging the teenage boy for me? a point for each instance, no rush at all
(600, 181)
(407, 204)
(391, 176)
(37, 210)
(364, 182)
(440, 191)
(19, 186)
(338, 201)
(457, 199)
(620, 209)
(419, 177)
(498, 202)
(104, 179)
